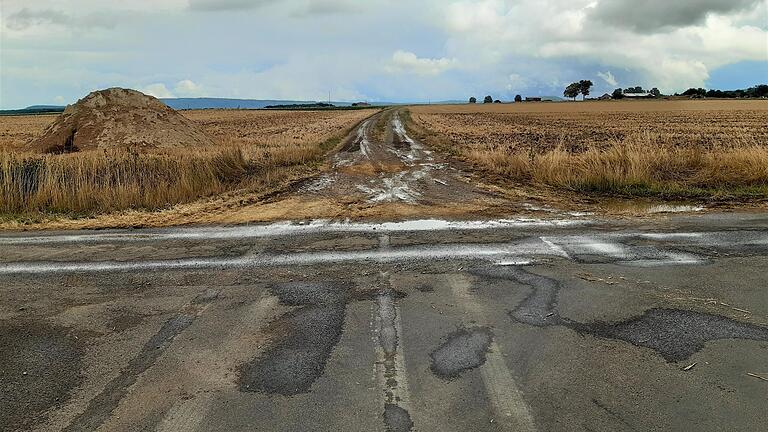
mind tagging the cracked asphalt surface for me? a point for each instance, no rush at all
(546, 325)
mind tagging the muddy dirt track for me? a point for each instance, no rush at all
(563, 324)
(381, 172)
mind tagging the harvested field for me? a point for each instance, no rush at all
(255, 150)
(675, 149)
(284, 137)
(17, 131)
(248, 128)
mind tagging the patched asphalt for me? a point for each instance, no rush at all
(600, 327)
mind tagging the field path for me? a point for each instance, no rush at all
(381, 165)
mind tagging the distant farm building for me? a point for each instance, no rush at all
(361, 104)
(643, 95)
(605, 97)
(533, 99)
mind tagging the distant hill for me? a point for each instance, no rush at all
(217, 103)
(209, 103)
(35, 109)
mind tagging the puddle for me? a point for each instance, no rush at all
(279, 229)
(674, 334)
(392, 189)
(40, 367)
(649, 207)
(465, 349)
(666, 208)
(308, 336)
(552, 210)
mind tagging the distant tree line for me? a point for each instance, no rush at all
(619, 93)
(488, 99)
(584, 87)
(758, 91)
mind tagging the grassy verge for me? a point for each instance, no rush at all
(638, 166)
(108, 181)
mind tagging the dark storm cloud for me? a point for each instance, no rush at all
(653, 15)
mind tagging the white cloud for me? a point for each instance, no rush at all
(188, 88)
(157, 90)
(301, 49)
(408, 62)
(698, 37)
(608, 78)
(227, 5)
(314, 8)
(59, 100)
(517, 81)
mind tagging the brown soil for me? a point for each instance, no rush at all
(118, 118)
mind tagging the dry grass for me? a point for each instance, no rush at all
(108, 181)
(676, 150)
(256, 149)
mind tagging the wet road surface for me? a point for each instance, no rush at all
(568, 324)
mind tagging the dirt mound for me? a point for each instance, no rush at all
(119, 118)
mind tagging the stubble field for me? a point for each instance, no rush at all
(674, 149)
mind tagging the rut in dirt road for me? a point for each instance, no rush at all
(390, 167)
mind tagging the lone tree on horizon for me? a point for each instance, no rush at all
(488, 99)
(572, 90)
(578, 88)
(473, 100)
(518, 98)
(584, 87)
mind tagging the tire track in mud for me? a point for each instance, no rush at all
(674, 334)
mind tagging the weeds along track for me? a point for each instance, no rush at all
(706, 149)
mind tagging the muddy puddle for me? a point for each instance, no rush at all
(648, 207)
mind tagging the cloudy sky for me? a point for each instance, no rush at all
(56, 51)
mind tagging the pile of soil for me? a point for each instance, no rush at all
(119, 118)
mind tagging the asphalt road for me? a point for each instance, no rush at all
(515, 325)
